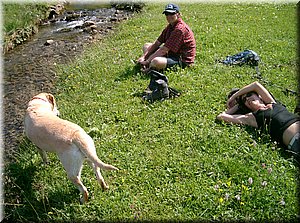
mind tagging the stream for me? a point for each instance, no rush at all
(29, 68)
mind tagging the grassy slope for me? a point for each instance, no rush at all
(18, 15)
(175, 161)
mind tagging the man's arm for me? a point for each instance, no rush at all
(152, 49)
(160, 52)
(149, 51)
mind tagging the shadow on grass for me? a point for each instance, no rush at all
(26, 199)
(265, 139)
(131, 71)
(135, 69)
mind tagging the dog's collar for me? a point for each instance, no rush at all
(35, 97)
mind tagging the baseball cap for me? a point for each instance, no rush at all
(172, 8)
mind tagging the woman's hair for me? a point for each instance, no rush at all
(232, 92)
(241, 102)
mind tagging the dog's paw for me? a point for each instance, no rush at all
(104, 186)
(84, 198)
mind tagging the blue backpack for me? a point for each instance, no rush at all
(248, 57)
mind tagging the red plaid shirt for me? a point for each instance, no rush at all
(180, 41)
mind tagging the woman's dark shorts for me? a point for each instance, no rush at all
(294, 145)
(172, 61)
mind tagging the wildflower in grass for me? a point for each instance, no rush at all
(264, 183)
(238, 197)
(137, 214)
(282, 202)
(250, 180)
(221, 200)
(263, 165)
(244, 187)
(228, 183)
(226, 196)
(270, 170)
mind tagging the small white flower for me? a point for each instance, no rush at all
(264, 183)
(282, 202)
(226, 196)
(270, 170)
(250, 180)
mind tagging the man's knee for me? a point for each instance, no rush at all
(159, 63)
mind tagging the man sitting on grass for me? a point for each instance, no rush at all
(179, 45)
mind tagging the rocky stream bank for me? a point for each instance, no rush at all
(29, 68)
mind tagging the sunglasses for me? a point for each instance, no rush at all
(245, 96)
(170, 13)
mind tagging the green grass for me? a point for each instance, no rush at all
(175, 161)
(17, 16)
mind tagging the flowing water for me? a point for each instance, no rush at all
(30, 68)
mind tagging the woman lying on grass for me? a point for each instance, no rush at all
(263, 112)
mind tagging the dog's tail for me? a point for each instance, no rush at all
(86, 144)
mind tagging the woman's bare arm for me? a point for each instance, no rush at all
(255, 86)
(247, 119)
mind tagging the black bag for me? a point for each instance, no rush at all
(158, 88)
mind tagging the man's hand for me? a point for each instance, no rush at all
(144, 63)
(141, 59)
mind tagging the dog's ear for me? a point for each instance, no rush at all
(51, 99)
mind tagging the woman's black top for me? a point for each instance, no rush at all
(275, 121)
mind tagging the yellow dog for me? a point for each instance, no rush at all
(71, 143)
